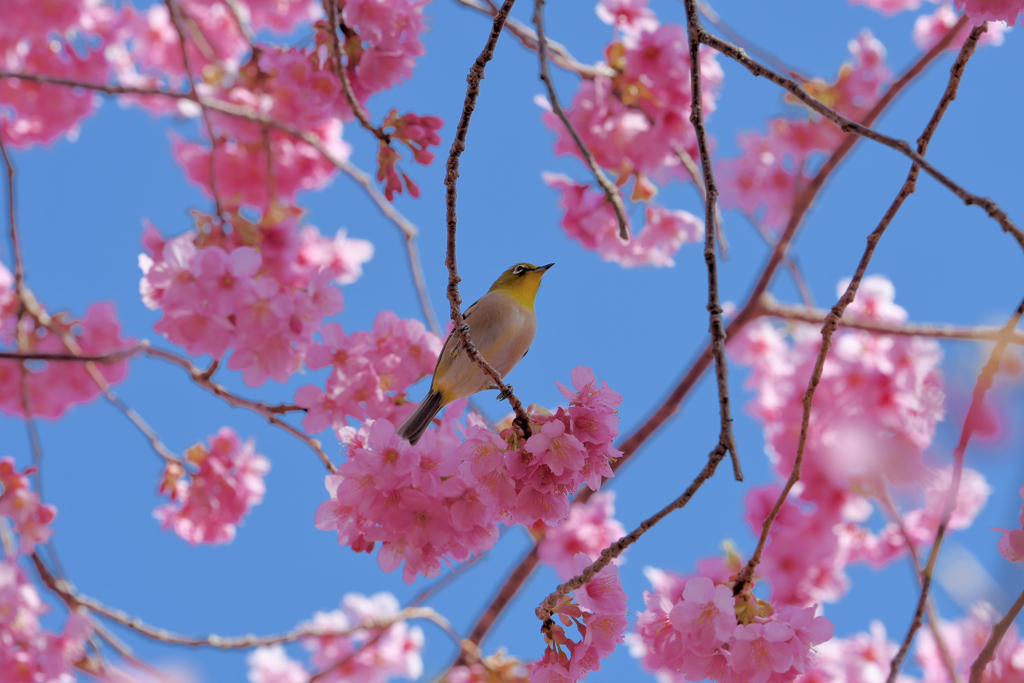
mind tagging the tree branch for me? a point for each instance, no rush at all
(971, 420)
(476, 74)
(726, 437)
(998, 631)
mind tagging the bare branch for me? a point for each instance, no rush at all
(611, 192)
(331, 8)
(557, 52)
(270, 413)
(971, 421)
(998, 631)
(476, 74)
(618, 547)
(863, 130)
(175, 13)
(725, 437)
(75, 599)
(769, 307)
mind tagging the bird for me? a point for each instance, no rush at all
(502, 326)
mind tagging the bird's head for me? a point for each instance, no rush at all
(521, 281)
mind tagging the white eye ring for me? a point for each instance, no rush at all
(518, 270)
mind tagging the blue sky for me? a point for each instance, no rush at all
(81, 209)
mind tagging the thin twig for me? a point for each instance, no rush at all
(716, 326)
(915, 561)
(998, 631)
(175, 12)
(476, 74)
(75, 599)
(270, 413)
(790, 261)
(409, 233)
(971, 421)
(331, 9)
(611, 192)
(848, 126)
(715, 20)
(557, 52)
(697, 177)
(831, 322)
(242, 24)
(615, 549)
(769, 307)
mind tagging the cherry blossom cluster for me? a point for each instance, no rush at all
(254, 165)
(929, 29)
(590, 528)
(28, 652)
(209, 500)
(54, 386)
(992, 10)
(369, 655)
(261, 290)
(1011, 544)
(875, 412)
(635, 121)
(370, 371)
(763, 181)
(694, 628)
(861, 657)
(40, 42)
(29, 516)
(590, 220)
(443, 498)
(598, 611)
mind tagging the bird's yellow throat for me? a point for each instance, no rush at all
(523, 289)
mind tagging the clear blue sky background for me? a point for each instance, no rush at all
(81, 208)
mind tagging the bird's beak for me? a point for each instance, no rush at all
(544, 269)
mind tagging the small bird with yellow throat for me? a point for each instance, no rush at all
(502, 326)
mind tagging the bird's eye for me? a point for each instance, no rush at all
(518, 270)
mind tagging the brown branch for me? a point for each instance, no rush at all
(998, 631)
(725, 437)
(331, 9)
(933, 619)
(270, 413)
(698, 181)
(175, 12)
(557, 52)
(769, 307)
(971, 421)
(611, 192)
(112, 357)
(476, 74)
(831, 322)
(74, 599)
(715, 20)
(615, 549)
(863, 130)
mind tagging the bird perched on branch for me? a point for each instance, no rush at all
(502, 324)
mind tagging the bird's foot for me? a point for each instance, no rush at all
(505, 393)
(464, 327)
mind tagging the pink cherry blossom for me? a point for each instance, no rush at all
(889, 6)
(208, 503)
(366, 655)
(929, 29)
(272, 665)
(991, 10)
(261, 290)
(29, 517)
(964, 640)
(29, 652)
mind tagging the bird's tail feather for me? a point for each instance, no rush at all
(417, 423)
